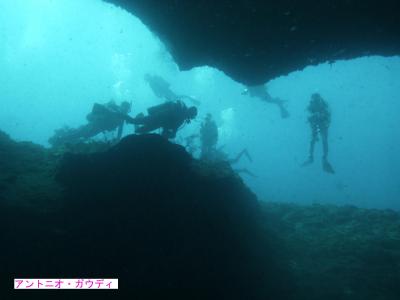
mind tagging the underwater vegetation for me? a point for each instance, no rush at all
(146, 212)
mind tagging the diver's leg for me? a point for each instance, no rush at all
(146, 122)
(86, 131)
(324, 137)
(280, 103)
(246, 153)
(325, 163)
(73, 136)
(283, 110)
(314, 137)
(170, 96)
(144, 129)
(148, 125)
(91, 130)
(237, 157)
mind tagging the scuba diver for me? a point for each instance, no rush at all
(170, 116)
(208, 137)
(102, 118)
(161, 88)
(208, 147)
(319, 119)
(260, 91)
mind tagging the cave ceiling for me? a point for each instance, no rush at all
(254, 41)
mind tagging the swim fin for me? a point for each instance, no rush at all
(327, 167)
(245, 152)
(284, 113)
(308, 162)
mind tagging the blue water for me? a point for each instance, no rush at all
(56, 60)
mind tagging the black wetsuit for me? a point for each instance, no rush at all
(102, 118)
(169, 116)
(319, 120)
(260, 91)
(161, 88)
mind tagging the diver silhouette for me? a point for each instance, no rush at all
(161, 88)
(103, 118)
(168, 116)
(261, 92)
(319, 120)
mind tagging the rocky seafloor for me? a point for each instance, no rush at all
(144, 210)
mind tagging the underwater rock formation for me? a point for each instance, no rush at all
(146, 212)
(152, 217)
(255, 41)
(27, 175)
(339, 252)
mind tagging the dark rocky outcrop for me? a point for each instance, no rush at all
(27, 175)
(254, 41)
(146, 212)
(169, 226)
(339, 252)
(152, 217)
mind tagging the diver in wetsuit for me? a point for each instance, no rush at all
(210, 152)
(208, 137)
(161, 88)
(319, 120)
(260, 91)
(169, 116)
(102, 118)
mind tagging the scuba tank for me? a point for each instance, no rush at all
(166, 106)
